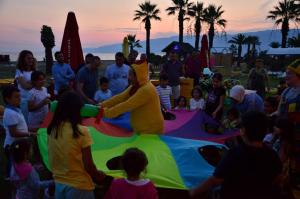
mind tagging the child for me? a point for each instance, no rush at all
(38, 101)
(181, 103)
(69, 149)
(164, 92)
(232, 121)
(13, 120)
(103, 93)
(197, 102)
(249, 170)
(270, 108)
(134, 162)
(23, 175)
(215, 98)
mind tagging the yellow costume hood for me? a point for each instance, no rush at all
(141, 71)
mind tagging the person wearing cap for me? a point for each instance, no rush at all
(258, 78)
(174, 70)
(246, 100)
(140, 99)
(289, 106)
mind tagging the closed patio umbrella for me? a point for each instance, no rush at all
(71, 45)
(204, 54)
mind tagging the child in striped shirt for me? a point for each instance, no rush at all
(164, 92)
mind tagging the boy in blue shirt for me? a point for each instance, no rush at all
(103, 93)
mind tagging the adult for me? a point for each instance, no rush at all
(193, 67)
(26, 64)
(249, 170)
(246, 100)
(174, 70)
(117, 74)
(258, 78)
(141, 100)
(62, 72)
(289, 106)
(87, 78)
(88, 59)
(131, 57)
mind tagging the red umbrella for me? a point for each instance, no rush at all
(70, 45)
(204, 54)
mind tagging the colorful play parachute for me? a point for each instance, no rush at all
(173, 162)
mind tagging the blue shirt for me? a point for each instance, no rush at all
(62, 74)
(251, 102)
(89, 80)
(101, 96)
(118, 78)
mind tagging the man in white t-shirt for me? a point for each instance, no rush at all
(164, 92)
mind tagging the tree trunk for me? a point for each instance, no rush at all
(180, 20)
(239, 55)
(197, 31)
(49, 60)
(284, 32)
(211, 34)
(248, 48)
(148, 27)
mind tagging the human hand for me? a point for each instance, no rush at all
(46, 101)
(214, 115)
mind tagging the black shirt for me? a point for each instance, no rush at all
(249, 173)
(213, 100)
(174, 72)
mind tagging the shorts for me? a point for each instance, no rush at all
(63, 191)
(176, 92)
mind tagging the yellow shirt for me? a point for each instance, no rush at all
(65, 157)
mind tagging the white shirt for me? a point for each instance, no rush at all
(101, 96)
(13, 118)
(27, 76)
(35, 118)
(197, 104)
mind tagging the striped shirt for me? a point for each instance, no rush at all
(164, 96)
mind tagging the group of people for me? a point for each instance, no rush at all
(252, 168)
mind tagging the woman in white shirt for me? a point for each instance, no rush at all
(26, 64)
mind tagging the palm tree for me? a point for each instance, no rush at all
(47, 38)
(147, 12)
(248, 41)
(239, 40)
(183, 7)
(286, 11)
(197, 11)
(132, 42)
(274, 44)
(294, 42)
(213, 16)
(255, 41)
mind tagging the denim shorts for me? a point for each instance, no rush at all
(63, 191)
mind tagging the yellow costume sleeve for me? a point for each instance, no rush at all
(131, 103)
(116, 99)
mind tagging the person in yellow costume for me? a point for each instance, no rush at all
(141, 100)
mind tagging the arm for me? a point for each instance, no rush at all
(192, 104)
(220, 106)
(32, 106)
(116, 99)
(17, 134)
(79, 88)
(205, 186)
(24, 83)
(136, 100)
(98, 176)
(35, 182)
(70, 73)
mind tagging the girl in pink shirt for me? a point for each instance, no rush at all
(134, 162)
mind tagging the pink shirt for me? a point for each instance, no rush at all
(123, 188)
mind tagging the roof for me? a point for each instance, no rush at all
(283, 51)
(180, 48)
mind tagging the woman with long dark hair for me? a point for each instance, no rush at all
(69, 148)
(26, 64)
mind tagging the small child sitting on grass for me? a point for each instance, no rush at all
(232, 121)
(134, 162)
(181, 103)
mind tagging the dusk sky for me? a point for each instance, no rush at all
(108, 21)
